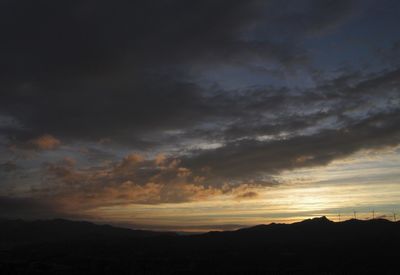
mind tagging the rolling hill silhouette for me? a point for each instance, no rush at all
(314, 246)
(14, 232)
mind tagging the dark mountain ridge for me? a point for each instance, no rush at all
(56, 230)
(314, 246)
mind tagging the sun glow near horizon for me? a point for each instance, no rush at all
(341, 188)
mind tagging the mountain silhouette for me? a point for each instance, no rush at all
(313, 246)
(19, 231)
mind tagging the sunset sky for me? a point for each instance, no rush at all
(199, 115)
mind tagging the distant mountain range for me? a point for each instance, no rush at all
(314, 246)
(318, 229)
(20, 231)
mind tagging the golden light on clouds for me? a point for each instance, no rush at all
(337, 188)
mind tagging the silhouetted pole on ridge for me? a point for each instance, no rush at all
(373, 214)
(355, 215)
(394, 216)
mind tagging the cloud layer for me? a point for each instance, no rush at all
(151, 102)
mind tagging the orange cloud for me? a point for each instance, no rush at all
(132, 180)
(247, 195)
(46, 142)
(160, 159)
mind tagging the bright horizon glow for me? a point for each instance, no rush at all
(362, 183)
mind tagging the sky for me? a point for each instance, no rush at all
(199, 115)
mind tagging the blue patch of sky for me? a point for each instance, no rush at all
(356, 45)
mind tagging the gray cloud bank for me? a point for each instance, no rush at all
(121, 75)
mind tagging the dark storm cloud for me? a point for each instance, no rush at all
(365, 112)
(9, 166)
(96, 155)
(290, 19)
(245, 159)
(89, 69)
(104, 74)
(333, 104)
(85, 68)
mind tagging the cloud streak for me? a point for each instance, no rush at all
(85, 83)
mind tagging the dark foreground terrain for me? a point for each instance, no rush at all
(316, 246)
